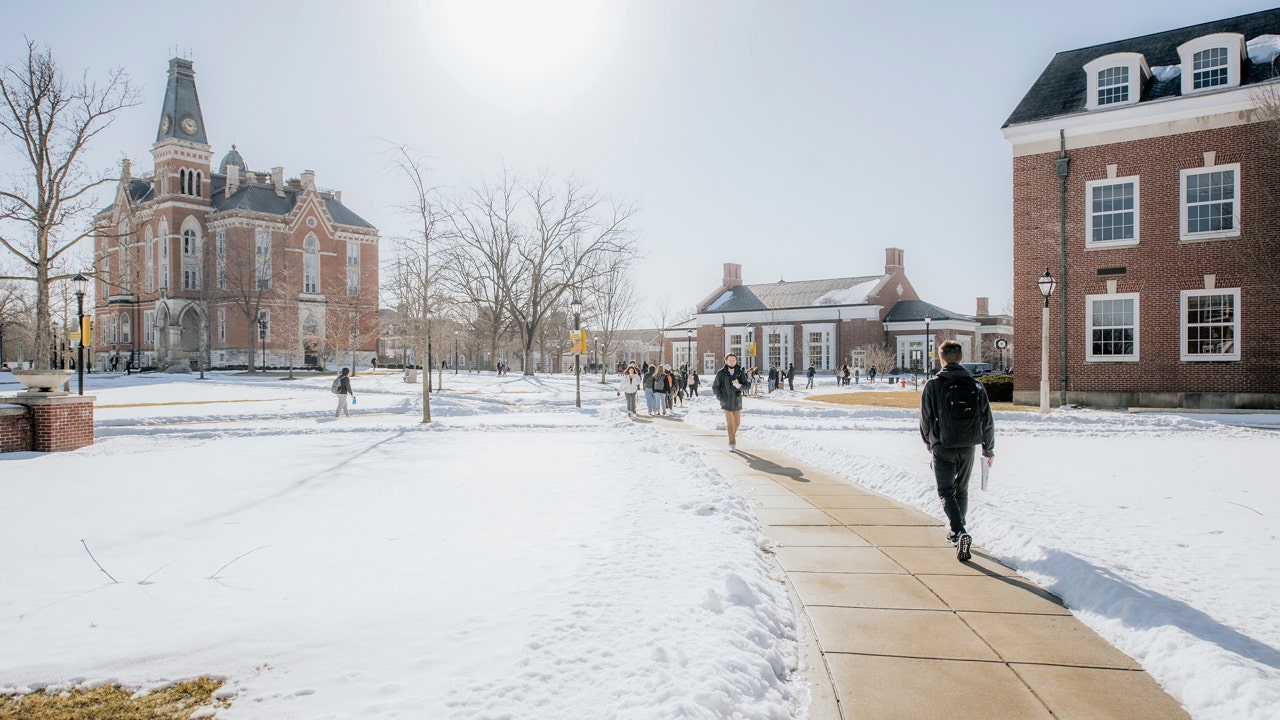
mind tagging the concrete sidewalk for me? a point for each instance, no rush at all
(901, 629)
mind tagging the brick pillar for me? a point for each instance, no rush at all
(59, 421)
(15, 428)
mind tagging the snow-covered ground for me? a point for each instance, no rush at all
(520, 558)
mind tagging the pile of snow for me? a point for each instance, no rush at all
(855, 295)
(1263, 49)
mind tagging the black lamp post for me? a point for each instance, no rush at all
(262, 339)
(928, 343)
(455, 352)
(1046, 283)
(576, 307)
(688, 349)
(82, 286)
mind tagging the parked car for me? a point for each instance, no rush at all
(977, 369)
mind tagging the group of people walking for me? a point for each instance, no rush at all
(664, 387)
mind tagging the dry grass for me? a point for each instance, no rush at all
(909, 400)
(112, 702)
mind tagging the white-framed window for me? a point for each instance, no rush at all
(818, 346)
(1111, 324)
(1114, 80)
(1211, 61)
(353, 269)
(1111, 212)
(164, 256)
(126, 329)
(858, 359)
(221, 261)
(778, 346)
(1210, 324)
(189, 242)
(149, 327)
(311, 265)
(222, 324)
(190, 276)
(262, 258)
(115, 329)
(1113, 85)
(105, 280)
(1210, 202)
(739, 341)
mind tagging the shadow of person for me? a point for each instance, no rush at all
(769, 467)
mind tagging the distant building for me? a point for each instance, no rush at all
(1168, 173)
(210, 266)
(862, 320)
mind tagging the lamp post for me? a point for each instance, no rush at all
(928, 343)
(262, 339)
(455, 352)
(82, 285)
(576, 307)
(688, 349)
(1046, 283)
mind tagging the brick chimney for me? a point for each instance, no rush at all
(277, 179)
(732, 275)
(983, 309)
(892, 260)
(308, 178)
(233, 179)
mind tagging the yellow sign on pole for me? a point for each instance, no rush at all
(749, 349)
(579, 338)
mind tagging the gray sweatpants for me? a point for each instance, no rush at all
(342, 406)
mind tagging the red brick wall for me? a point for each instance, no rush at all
(62, 426)
(1158, 268)
(15, 430)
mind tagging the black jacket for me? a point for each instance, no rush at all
(730, 397)
(931, 409)
(344, 385)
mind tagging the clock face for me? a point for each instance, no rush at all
(165, 123)
(189, 125)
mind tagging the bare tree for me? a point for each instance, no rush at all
(51, 120)
(662, 315)
(880, 356)
(430, 220)
(612, 305)
(254, 273)
(15, 310)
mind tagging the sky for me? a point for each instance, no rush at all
(798, 139)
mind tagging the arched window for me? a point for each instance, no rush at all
(126, 329)
(150, 250)
(199, 186)
(311, 265)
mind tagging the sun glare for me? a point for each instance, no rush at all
(519, 50)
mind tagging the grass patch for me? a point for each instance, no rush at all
(908, 400)
(112, 702)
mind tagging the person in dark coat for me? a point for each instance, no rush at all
(951, 434)
(773, 379)
(791, 376)
(344, 389)
(730, 383)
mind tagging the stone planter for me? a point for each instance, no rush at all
(43, 380)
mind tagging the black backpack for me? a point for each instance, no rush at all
(960, 412)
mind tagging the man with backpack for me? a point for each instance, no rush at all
(342, 388)
(955, 415)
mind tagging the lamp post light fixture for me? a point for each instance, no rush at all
(262, 338)
(928, 343)
(82, 286)
(576, 307)
(1046, 283)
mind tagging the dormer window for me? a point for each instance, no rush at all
(1212, 61)
(1116, 79)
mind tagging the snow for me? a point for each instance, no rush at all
(720, 301)
(1165, 73)
(515, 558)
(855, 295)
(518, 557)
(1263, 49)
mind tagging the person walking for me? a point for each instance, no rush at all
(343, 389)
(856, 374)
(693, 384)
(808, 375)
(647, 382)
(871, 375)
(773, 378)
(728, 387)
(791, 376)
(955, 415)
(629, 386)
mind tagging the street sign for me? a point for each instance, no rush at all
(74, 337)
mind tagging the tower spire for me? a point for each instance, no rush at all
(180, 116)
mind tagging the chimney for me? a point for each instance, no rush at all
(982, 307)
(892, 260)
(233, 179)
(125, 170)
(308, 178)
(277, 180)
(337, 195)
(732, 275)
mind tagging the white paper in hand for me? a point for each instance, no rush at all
(986, 470)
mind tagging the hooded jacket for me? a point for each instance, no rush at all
(730, 397)
(931, 409)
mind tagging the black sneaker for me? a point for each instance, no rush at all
(952, 536)
(963, 543)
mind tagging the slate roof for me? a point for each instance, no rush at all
(918, 310)
(263, 199)
(181, 100)
(802, 293)
(1060, 89)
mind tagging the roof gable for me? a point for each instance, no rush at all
(802, 293)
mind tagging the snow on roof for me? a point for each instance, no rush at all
(855, 295)
(1263, 49)
(1165, 73)
(720, 301)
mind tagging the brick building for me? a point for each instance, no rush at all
(1166, 167)
(211, 267)
(828, 322)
